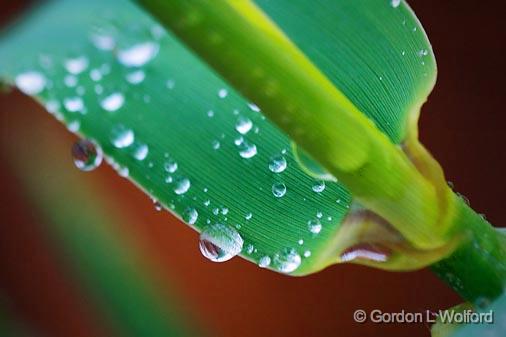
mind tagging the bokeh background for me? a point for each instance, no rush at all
(45, 290)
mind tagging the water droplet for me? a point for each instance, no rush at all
(253, 107)
(123, 171)
(264, 262)
(70, 81)
(395, 3)
(74, 126)
(182, 185)
(121, 136)
(319, 215)
(170, 166)
(207, 202)
(247, 150)
(76, 65)
(366, 252)
(74, 104)
(136, 77)
(170, 84)
(86, 155)
(277, 164)
(300, 242)
(243, 125)
(220, 243)
(158, 205)
(190, 215)
(314, 226)
(248, 216)
(140, 151)
(31, 82)
(287, 261)
(222, 93)
(224, 211)
(138, 55)
(113, 102)
(103, 42)
(307, 253)
(250, 248)
(278, 190)
(319, 187)
(216, 144)
(423, 52)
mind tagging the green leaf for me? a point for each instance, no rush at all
(183, 112)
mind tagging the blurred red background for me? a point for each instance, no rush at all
(462, 124)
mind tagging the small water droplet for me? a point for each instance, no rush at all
(136, 77)
(264, 262)
(76, 65)
(300, 242)
(138, 55)
(287, 261)
(220, 243)
(250, 248)
(103, 42)
(123, 171)
(247, 150)
(423, 52)
(170, 165)
(222, 93)
(216, 144)
(253, 107)
(248, 216)
(31, 82)
(158, 206)
(243, 125)
(278, 190)
(277, 164)
(74, 104)
(395, 3)
(113, 102)
(207, 202)
(170, 84)
(319, 215)
(86, 155)
(307, 253)
(182, 185)
(319, 186)
(74, 126)
(121, 136)
(190, 215)
(314, 226)
(140, 151)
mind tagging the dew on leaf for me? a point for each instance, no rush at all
(190, 215)
(220, 243)
(314, 226)
(243, 125)
(138, 54)
(278, 190)
(86, 155)
(264, 261)
(121, 136)
(182, 185)
(31, 82)
(140, 151)
(136, 77)
(73, 104)
(319, 186)
(287, 261)
(76, 65)
(113, 102)
(277, 164)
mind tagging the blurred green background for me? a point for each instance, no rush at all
(86, 254)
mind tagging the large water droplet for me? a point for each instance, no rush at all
(278, 190)
(277, 164)
(243, 125)
(247, 150)
(190, 215)
(182, 185)
(76, 65)
(113, 102)
(121, 136)
(287, 261)
(138, 55)
(31, 82)
(314, 226)
(220, 243)
(86, 155)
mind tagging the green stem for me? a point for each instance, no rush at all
(477, 268)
